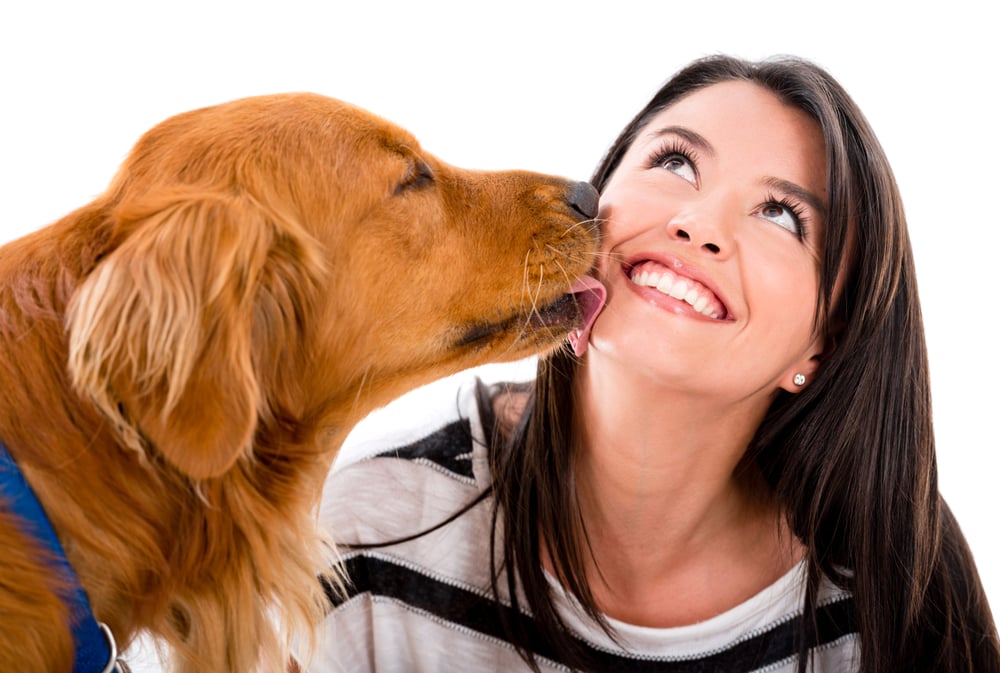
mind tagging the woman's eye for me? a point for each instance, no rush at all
(781, 215)
(681, 165)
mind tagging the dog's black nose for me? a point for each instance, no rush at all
(583, 199)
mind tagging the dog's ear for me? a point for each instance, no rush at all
(170, 332)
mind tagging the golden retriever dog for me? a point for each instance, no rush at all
(182, 357)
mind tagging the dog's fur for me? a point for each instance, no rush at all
(182, 357)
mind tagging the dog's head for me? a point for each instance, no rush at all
(277, 259)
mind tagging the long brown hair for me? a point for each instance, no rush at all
(851, 458)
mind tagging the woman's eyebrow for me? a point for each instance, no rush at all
(798, 192)
(695, 139)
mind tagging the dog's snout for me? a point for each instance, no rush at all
(583, 198)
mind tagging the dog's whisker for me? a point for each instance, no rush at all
(527, 307)
(565, 274)
(582, 223)
(538, 289)
(361, 388)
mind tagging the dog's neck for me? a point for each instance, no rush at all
(95, 646)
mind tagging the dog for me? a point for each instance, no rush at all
(182, 357)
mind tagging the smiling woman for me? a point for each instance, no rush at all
(693, 204)
(727, 472)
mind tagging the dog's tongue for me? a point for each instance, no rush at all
(590, 296)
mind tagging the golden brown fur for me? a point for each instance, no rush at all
(182, 357)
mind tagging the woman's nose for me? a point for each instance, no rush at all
(704, 228)
(682, 234)
(711, 239)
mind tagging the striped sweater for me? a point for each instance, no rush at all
(426, 605)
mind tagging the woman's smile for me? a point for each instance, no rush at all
(675, 282)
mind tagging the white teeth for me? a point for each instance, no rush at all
(678, 288)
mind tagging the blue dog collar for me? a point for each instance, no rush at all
(96, 651)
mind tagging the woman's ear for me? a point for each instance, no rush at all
(800, 375)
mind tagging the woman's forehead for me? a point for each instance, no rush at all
(733, 107)
(743, 130)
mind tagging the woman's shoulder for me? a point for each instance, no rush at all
(408, 506)
(411, 463)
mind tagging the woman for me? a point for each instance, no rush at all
(733, 471)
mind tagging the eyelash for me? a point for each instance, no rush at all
(677, 147)
(674, 146)
(796, 208)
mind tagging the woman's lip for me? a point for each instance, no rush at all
(680, 268)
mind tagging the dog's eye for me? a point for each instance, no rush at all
(418, 176)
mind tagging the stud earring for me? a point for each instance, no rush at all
(799, 379)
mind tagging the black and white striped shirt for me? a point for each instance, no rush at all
(426, 605)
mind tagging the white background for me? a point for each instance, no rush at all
(547, 86)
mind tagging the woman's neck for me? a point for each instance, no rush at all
(677, 534)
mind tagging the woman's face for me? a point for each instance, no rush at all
(712, 229)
